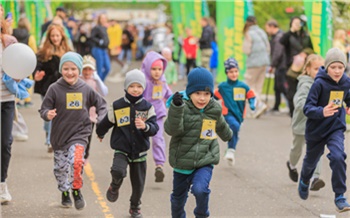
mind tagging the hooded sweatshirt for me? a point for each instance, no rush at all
(324, 90)
(72, 124)
(156, 91)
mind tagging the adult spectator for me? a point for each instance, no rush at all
(278, 59)
(100, 41)
(257, 48)
(62, 13)
(127, 40)
(205, 42)
(298, 46)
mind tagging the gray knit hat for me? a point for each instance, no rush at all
(334, 55)
(72, 57)
(135, 76)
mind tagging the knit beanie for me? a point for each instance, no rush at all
(157, 63)
(135, 76)
(334, 55)
(72, 57)
(230, 63)
(199, 79)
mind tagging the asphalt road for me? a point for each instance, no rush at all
(257, 186)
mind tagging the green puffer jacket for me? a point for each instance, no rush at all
(184, 123)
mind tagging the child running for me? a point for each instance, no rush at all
(133, 120)
(170, 71)
(67, 103)
(234, 94)
(91, 77)
(313, 63)
(156, 92)
(325, 125)
(194, 123)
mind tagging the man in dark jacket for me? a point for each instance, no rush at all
(205, 42)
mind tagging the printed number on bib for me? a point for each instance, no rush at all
(122, 116)
(157, 92)
(239, 94)
(208, 129)
(336, 97)
(74, 101)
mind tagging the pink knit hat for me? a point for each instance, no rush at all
(157, 63)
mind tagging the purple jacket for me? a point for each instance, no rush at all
(155, 93)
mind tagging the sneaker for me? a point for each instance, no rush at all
(125, 68)
(159, 174)
(293, 173)
(135, 213)
(341, 204)
(66, 201)
(20, 137)
(303, 190)
(4, 193)
(112, 194)
(19, 105)
(259, 111)
(49, 148)
(317, 184)
(79, 201)
(230, 156)
(28, 104)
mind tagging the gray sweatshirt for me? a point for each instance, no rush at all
(72, 123)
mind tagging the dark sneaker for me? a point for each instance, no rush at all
(79, 201)
(49, 148)
(112, 194)
(293, 173)
(135, 213)
(317, 184)
(342, 204)
(66, 201)
(159, 174)
(303, 190)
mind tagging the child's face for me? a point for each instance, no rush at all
(156, 72)
(312, 69)
(55, 37)
(70, 72)
(335, 71)
(135, 89)
(167, 56)
(87, 72)
(233, 74)
(200, 99)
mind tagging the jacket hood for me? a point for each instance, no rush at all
(304, 79)
(322, 73)
(147, 63)
(76, 86)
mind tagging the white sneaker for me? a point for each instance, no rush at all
(230, 156)
(125, 68)
(20, 137)
(260, 110)
(4, 193)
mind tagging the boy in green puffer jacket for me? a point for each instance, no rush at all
(194, 122)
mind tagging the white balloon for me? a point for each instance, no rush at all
(18, 61)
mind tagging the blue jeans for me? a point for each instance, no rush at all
(234, 126)
(199, 180)
(47, 128)
(128, 54)
(103, 64)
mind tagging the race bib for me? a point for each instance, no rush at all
(336, 97)
(74, 101)
(157, 92)
(122, 116)
(239, 94)
(208, 129)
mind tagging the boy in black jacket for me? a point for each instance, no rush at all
(134, 121)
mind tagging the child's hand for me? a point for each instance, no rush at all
(330, 110)
(348, 110)
(140, 124)
(177, 99)
(39, 75)
(51, 114)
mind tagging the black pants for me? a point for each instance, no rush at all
(7, 114)
(137, 176)
(292, 89)
(190, 63)
(279, 87)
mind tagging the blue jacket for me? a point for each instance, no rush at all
(317, 126)
(18, 88)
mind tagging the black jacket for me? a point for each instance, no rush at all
(51, 74)
(99, 36)
(206, 38)
(125, 136)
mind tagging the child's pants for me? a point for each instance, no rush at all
(234, 126)
(68, 167)
(336, 156)
(158, 144)
(296, 150)
(199, 180)
(137, 176)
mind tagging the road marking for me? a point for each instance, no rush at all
(90, 174)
